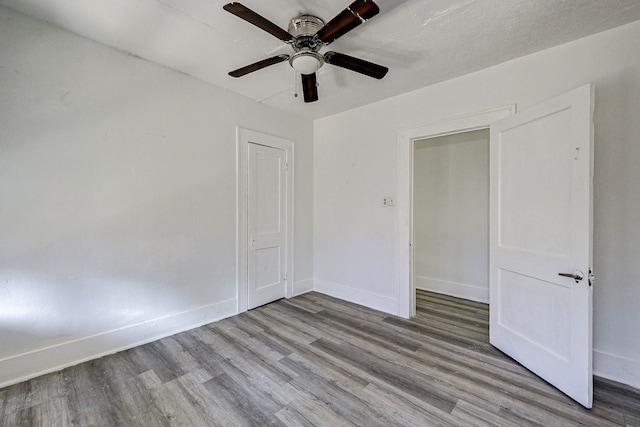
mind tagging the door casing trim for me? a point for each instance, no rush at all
(243, 138)
(405, 280)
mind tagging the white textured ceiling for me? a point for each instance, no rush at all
(421, 41)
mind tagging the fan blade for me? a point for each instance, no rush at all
(258, 65)
(355, 64)
(309, 87)
(354, 15)
(252, 17)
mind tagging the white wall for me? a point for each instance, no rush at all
(355, 157)
(451, 215)
(118, 198)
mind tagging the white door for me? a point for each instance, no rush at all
(540, 228)
(266, 224)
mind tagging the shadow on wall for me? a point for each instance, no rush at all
(36, 314)
(74, 276)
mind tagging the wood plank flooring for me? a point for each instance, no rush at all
(315, 361)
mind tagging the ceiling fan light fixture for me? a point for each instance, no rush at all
(306, 62)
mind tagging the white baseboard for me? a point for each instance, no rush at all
(22, 367)
(460, 290)
(616, 368)
(357, 296)
(302, 287)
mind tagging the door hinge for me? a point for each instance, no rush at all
(285, 275)
(592, 278)
(286, 166)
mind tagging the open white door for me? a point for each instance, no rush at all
(541, 227)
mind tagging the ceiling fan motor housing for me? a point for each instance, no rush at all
(305, 25)
(303, 29)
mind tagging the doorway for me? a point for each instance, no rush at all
(265, 185)
(407, 139)
(451, 214)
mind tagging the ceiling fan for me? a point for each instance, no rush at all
(307, 34)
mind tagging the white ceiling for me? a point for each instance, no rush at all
(422, 41)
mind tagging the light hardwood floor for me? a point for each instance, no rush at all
(315, 361)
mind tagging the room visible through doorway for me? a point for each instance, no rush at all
(451, 214)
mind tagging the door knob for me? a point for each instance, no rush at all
(576, 275)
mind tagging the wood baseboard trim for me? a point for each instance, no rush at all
(22, 367)
(302, 287)
(460, 290)
(616, 368)
(357, 296)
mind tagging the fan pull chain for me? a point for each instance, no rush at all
(295, 84)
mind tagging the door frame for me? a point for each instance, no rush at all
(244, 137)
(405, 279)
